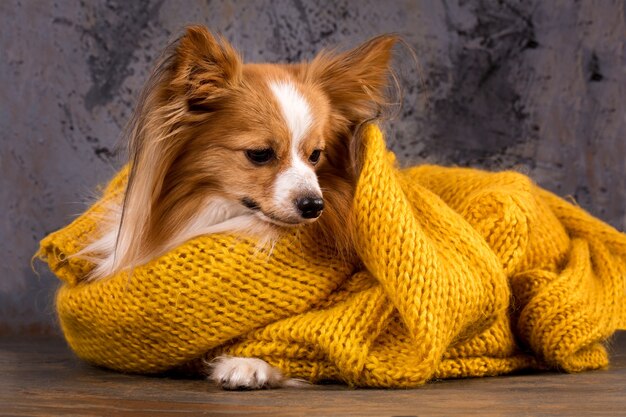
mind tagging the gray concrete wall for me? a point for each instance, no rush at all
(536, 86)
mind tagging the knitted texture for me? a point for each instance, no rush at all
(460, 273)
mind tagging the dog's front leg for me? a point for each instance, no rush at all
(237, 373)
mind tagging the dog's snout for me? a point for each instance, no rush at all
(310, 207)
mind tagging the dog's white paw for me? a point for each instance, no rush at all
(235, 373)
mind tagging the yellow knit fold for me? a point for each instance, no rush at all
(461, 273)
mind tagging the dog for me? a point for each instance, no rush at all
(218, 145)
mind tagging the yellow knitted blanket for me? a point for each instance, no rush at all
(462, 273)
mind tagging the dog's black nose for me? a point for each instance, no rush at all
(310, 207)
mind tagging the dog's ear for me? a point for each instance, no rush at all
(195, 74)
(356, 81)
(205, 67)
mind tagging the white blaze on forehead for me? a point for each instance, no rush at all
(295, 109)
(299, 179)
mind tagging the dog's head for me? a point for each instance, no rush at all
(271, 139)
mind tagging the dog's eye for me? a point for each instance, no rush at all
(260, 156)
(315, 156)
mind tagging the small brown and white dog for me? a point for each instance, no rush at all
(217, 145)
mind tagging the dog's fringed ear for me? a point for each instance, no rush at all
(205, 67)
(195, 73)
(356, 81)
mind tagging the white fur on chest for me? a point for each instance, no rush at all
(218, 215)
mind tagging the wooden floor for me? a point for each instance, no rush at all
(41, 377)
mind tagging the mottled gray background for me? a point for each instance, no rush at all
(536, 86)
